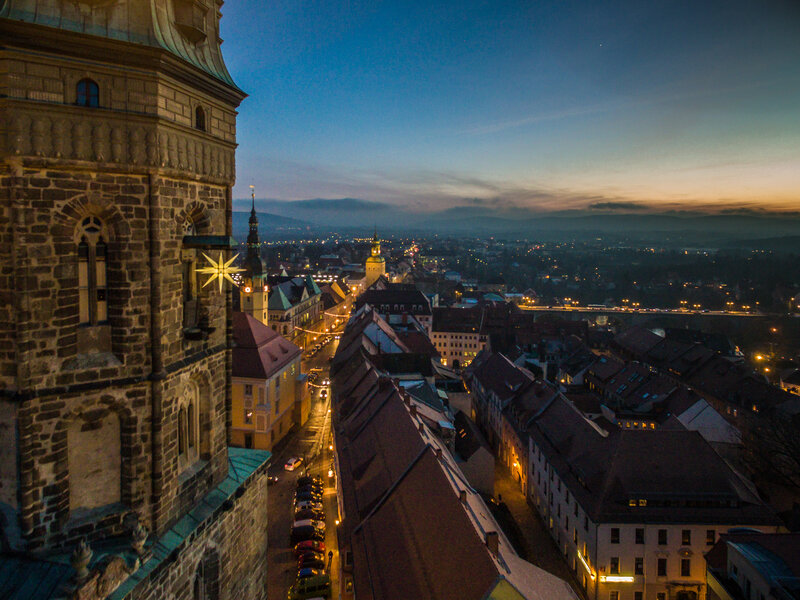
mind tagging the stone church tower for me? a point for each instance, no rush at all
(117, 140)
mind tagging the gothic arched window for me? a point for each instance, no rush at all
(92, 270)
(191, 304)
(200, 118)
(87, 93)
(188, 426)
(206, 579)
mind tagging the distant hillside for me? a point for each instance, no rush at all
(345, 214)
(789, 244)
(267, 222)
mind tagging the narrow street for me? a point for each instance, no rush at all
(310, 443)
(537, 545)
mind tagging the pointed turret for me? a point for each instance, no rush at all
(252, 263)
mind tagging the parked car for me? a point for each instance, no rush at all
(293, 463)
(310, 588)
(307, 479)
(308, 572)
(309, 514)
(310, 523)
(309, 554)
(308, 561)
(305, 533)
(307, 495)
(316, 546)
(314, 488)
(308, 504)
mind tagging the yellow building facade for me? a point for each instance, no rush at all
(269, 392)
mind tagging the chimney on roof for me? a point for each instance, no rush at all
(413, 410)
(406, 398)
(438, 452)
(462, 496)
(421, 427)
(493, 542)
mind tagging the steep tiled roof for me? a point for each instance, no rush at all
(498, 374)
(407, 506)
(606, 470)
(409, 300)
(278, 300)
(259, 352)
(637, 341)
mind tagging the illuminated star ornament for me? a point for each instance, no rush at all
(219, 270)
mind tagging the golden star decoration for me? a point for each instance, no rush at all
(219, 270)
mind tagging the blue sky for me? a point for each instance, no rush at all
(542, 106)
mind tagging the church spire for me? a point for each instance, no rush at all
(253, 261)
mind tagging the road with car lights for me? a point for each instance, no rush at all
(309, 442)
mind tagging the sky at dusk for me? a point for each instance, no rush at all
(519, 105)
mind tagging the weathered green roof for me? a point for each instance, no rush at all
(146, 22)
(278, 300)
(209, 241)
(23, 577)
(311, 285)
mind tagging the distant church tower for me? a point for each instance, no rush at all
(376, 264)
(254, 292)
(117, 141)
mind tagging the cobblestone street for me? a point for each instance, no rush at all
(537, 545)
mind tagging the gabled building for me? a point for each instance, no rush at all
(631, 514)
(397, 300)
(269, 393)
(294, 303)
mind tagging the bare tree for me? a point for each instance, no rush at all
(772, 447)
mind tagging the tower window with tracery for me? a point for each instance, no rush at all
(92, 272)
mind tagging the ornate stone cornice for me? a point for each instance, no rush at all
(63, 132)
